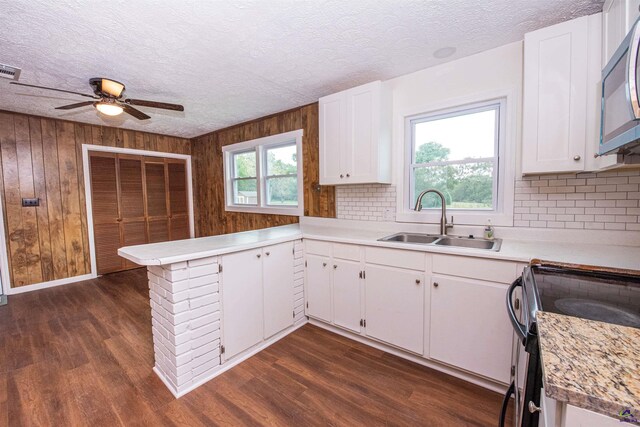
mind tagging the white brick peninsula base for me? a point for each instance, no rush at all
(259, 275)
(185, 310)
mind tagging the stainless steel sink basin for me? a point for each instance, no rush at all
(467, 242)
(438, 240)
(411, 238)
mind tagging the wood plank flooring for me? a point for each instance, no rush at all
(82, 354)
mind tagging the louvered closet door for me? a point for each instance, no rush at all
(157, 200)
(106, 214)
(132, 208)
(178, 204)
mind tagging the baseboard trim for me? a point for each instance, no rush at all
(50, 284)
(236, 360)
(454, 372)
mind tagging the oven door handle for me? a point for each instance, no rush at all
(505, 403)
(519, 327)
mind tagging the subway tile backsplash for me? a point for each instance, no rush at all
(593, 201)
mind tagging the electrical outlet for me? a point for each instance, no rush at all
(29, 202)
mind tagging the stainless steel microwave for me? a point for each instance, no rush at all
(620, 116)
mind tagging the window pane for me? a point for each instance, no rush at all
(466, 136)
(245, 192)
(282, 160)
(282, 191)
(466, 186)
(244, 165)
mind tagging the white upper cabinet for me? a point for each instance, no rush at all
(618, 16)
(355, 136)
(556, 62)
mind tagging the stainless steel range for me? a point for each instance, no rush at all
(605, 295)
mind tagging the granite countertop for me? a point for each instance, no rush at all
(588, 364)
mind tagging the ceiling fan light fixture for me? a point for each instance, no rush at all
(112, 87)
(109, 108)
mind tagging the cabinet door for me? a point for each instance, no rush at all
(555, 97)
(242, 303)
(614, 27)
(332, 134)
(277, 279)
(394, 306)
(318, 287)
(346, 294)
(360, 147)
(469, 325)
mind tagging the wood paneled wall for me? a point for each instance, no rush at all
(211, 217)
(42, 158)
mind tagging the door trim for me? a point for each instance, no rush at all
(86, 148)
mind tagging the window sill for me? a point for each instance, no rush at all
(291, 211)
(459, 217)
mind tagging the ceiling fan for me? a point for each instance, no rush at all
(109, 99)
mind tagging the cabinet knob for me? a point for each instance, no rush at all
(335, 266)
(324, 264)
(348, 175)
(576, 158)
(417, 281)
(258, 255)
(435, 284)
(267, 253)
(341, 176)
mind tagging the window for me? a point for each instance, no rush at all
(458, 152)
(265, 175)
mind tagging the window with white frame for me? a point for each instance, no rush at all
(264, 175)
(458, 152)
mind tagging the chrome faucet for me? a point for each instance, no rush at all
(443, 219)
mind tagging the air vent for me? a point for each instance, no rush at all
(9, 72)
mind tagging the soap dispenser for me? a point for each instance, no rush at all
(488, 231)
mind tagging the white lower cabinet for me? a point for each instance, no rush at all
(277, 279)
(242, 301)
(394, 306)
(257, 296)
(469, 326)
(346, 294)
(318, 289)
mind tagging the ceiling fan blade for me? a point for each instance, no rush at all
(57, 90)
(154, 104)
(72, 106)
(134, 112)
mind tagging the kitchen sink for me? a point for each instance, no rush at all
(411, 238)
(467, 242)
(438, 240)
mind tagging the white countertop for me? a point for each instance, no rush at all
(623, 257)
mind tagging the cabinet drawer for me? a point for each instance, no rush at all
(348, 252)
(396, 258)
(475, 268)
(317, 247)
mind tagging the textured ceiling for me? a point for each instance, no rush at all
(231, 61)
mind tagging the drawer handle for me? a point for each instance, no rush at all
(258, 255)
(348, 175)
(324, 264)
(341, 176)
(435, 284)
(267, 253)
(417, 281)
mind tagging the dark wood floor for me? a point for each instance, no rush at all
(82, 355)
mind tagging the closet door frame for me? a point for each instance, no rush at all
(87, 148)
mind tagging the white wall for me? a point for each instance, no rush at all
(603, 201)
